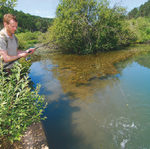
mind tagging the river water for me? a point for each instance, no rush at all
(97, 101)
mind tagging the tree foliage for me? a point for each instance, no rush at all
(142, 11)
(8, 3)
(141, 28)
(88, 26)
(28, 39)
(26, 22)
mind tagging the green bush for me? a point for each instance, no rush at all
(141, 28)
(88, 26)
(28, 39)
(19, 105)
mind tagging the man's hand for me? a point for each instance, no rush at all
(23, 54)
(26, 53)
(7, 58)
(31, 50)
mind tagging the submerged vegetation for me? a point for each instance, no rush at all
(77, 72)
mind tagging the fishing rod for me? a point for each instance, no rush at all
(35, 48)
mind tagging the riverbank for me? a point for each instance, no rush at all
(33, 138)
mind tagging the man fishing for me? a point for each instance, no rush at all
(8, 41)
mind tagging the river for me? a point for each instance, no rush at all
(97, 101)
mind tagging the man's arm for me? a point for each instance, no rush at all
(7, 58)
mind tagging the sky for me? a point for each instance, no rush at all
(47, 8)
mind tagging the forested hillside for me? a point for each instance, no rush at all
(27, 22)
(142, 11)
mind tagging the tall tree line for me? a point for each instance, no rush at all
(27, 22)
(142, 11)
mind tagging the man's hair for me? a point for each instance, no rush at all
(8, 17)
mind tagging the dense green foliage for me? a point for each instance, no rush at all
(141, 28)
(8, 3)
(28, 39)
(142, 11)
(139, 19)
(88, 26)
(19, 105)
(26, 22)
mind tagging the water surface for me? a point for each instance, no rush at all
(96, 101)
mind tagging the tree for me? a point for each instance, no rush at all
(142, 11)
(38, 25)
(88, 26)
(27, 22)
(8, 3)
(133, 13)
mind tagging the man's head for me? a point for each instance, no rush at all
(10, 23)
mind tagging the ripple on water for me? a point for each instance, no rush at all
(122, 129)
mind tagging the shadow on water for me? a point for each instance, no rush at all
(58, 125)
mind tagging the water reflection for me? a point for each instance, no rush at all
(144, 60)
(78, 73)
(94, 101)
